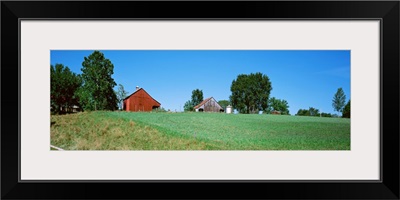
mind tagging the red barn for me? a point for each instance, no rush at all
(140, 100)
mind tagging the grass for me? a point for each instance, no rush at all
(100, 131)
(197, 131)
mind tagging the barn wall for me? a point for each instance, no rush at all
(212, 106)
(140, 101)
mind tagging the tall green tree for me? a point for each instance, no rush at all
(278, 105)
(346, 110)
(97, 91)
(63, 86)
(250, 92)
(197, 97)
(121, 94)
(339, 100)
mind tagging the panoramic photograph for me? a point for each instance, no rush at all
(200, 100)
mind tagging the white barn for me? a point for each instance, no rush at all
(209, 105)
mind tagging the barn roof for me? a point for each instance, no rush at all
(143, 91)
(205, 101)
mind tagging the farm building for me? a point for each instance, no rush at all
(209, 105)
(63, 109)
(140, 100)
(275, 112)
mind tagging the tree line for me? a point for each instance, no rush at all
(250, 93)
(338, 103)
(91, 90)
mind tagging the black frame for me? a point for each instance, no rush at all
(386, 11)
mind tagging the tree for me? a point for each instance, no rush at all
(303, 112)
(311, 111)
(326, 114)
(346, 110)
(63, 86)
(197, 97)
(339, 100)
(278, 105)
(224, 103)
(121, 94)
(188, 106)
(250, 93)
(97, 91)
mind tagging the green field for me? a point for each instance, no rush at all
(197, 131)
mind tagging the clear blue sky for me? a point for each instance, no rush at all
(304, 78)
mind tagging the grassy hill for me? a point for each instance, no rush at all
(197, 131)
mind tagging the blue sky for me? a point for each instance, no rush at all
(304, 78)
